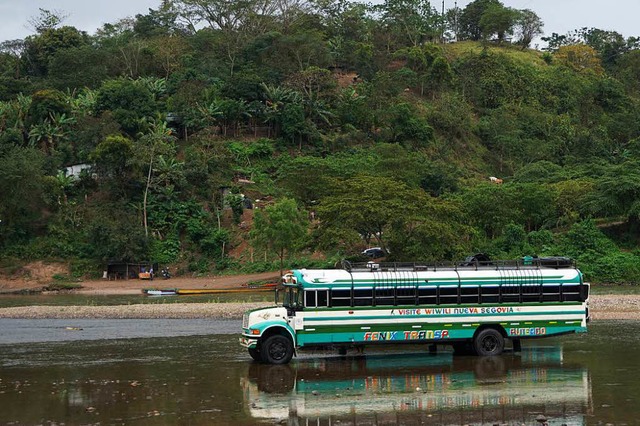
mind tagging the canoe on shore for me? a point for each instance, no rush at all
(196, 291)
(221, 290)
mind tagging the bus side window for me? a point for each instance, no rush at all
(428, 295)
(406, 295)
(310, 299)
(385, 296)
(363, 297)
(340, 297)
(322, 298)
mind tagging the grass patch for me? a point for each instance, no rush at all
(260, 283)
(62, 282)
(527, 56)
(10, 266)
(615, 289)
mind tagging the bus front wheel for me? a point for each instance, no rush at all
(277, 349)
(488, 342)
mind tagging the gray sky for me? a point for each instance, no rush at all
(86, 15)
(559, 16)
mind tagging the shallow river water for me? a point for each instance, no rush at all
(209, 379)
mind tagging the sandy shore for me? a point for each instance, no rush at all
(615, 307)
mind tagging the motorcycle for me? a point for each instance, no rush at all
(165, 273)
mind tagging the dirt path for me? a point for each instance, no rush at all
(136, 286)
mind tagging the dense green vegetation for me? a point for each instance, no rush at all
(352, 125)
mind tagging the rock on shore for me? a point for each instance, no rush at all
(615, 306)
(164, 310)
(601, 307)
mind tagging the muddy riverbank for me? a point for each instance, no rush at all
(602, 307)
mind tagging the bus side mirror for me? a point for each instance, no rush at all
(276, 295)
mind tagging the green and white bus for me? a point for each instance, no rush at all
(474, 307)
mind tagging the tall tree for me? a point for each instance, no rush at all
(129, 102)
(469, 23)
(21, 187)
(369, 205)
(158, 142)
(527, 27)
(41, 48)
(13, 49)
(429, 63)
(610, 45)
(412, 22)
(233, 22)
(158, 23)
(280, 227)
(112, 159)
(498, 20)
(46, 20)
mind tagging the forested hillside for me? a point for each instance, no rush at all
(343, 126)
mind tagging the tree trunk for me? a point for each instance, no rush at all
(144, 201)
(281, 261)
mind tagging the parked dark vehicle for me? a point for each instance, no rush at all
(478, 259)
(374, 252)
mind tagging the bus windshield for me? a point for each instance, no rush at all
(293, 298)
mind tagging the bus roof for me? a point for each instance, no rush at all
(396, 274)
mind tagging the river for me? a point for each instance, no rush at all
(161, 372)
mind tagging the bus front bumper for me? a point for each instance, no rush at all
(248, 342)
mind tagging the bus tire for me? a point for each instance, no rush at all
(277, 349)
(255, 354)
(488, 342)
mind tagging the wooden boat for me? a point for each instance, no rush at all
(160, 292)
(221, 290)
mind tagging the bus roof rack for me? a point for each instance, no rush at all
(556, 262)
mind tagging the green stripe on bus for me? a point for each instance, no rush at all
(441, 306)
(424, 326)
(504, 316)
(358, 336)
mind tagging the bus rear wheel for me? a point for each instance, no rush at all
(255, 354)
(277, 349)
(488, 342)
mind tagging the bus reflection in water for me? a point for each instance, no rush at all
(416, 388)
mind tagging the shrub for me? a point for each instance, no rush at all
(614, 268)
